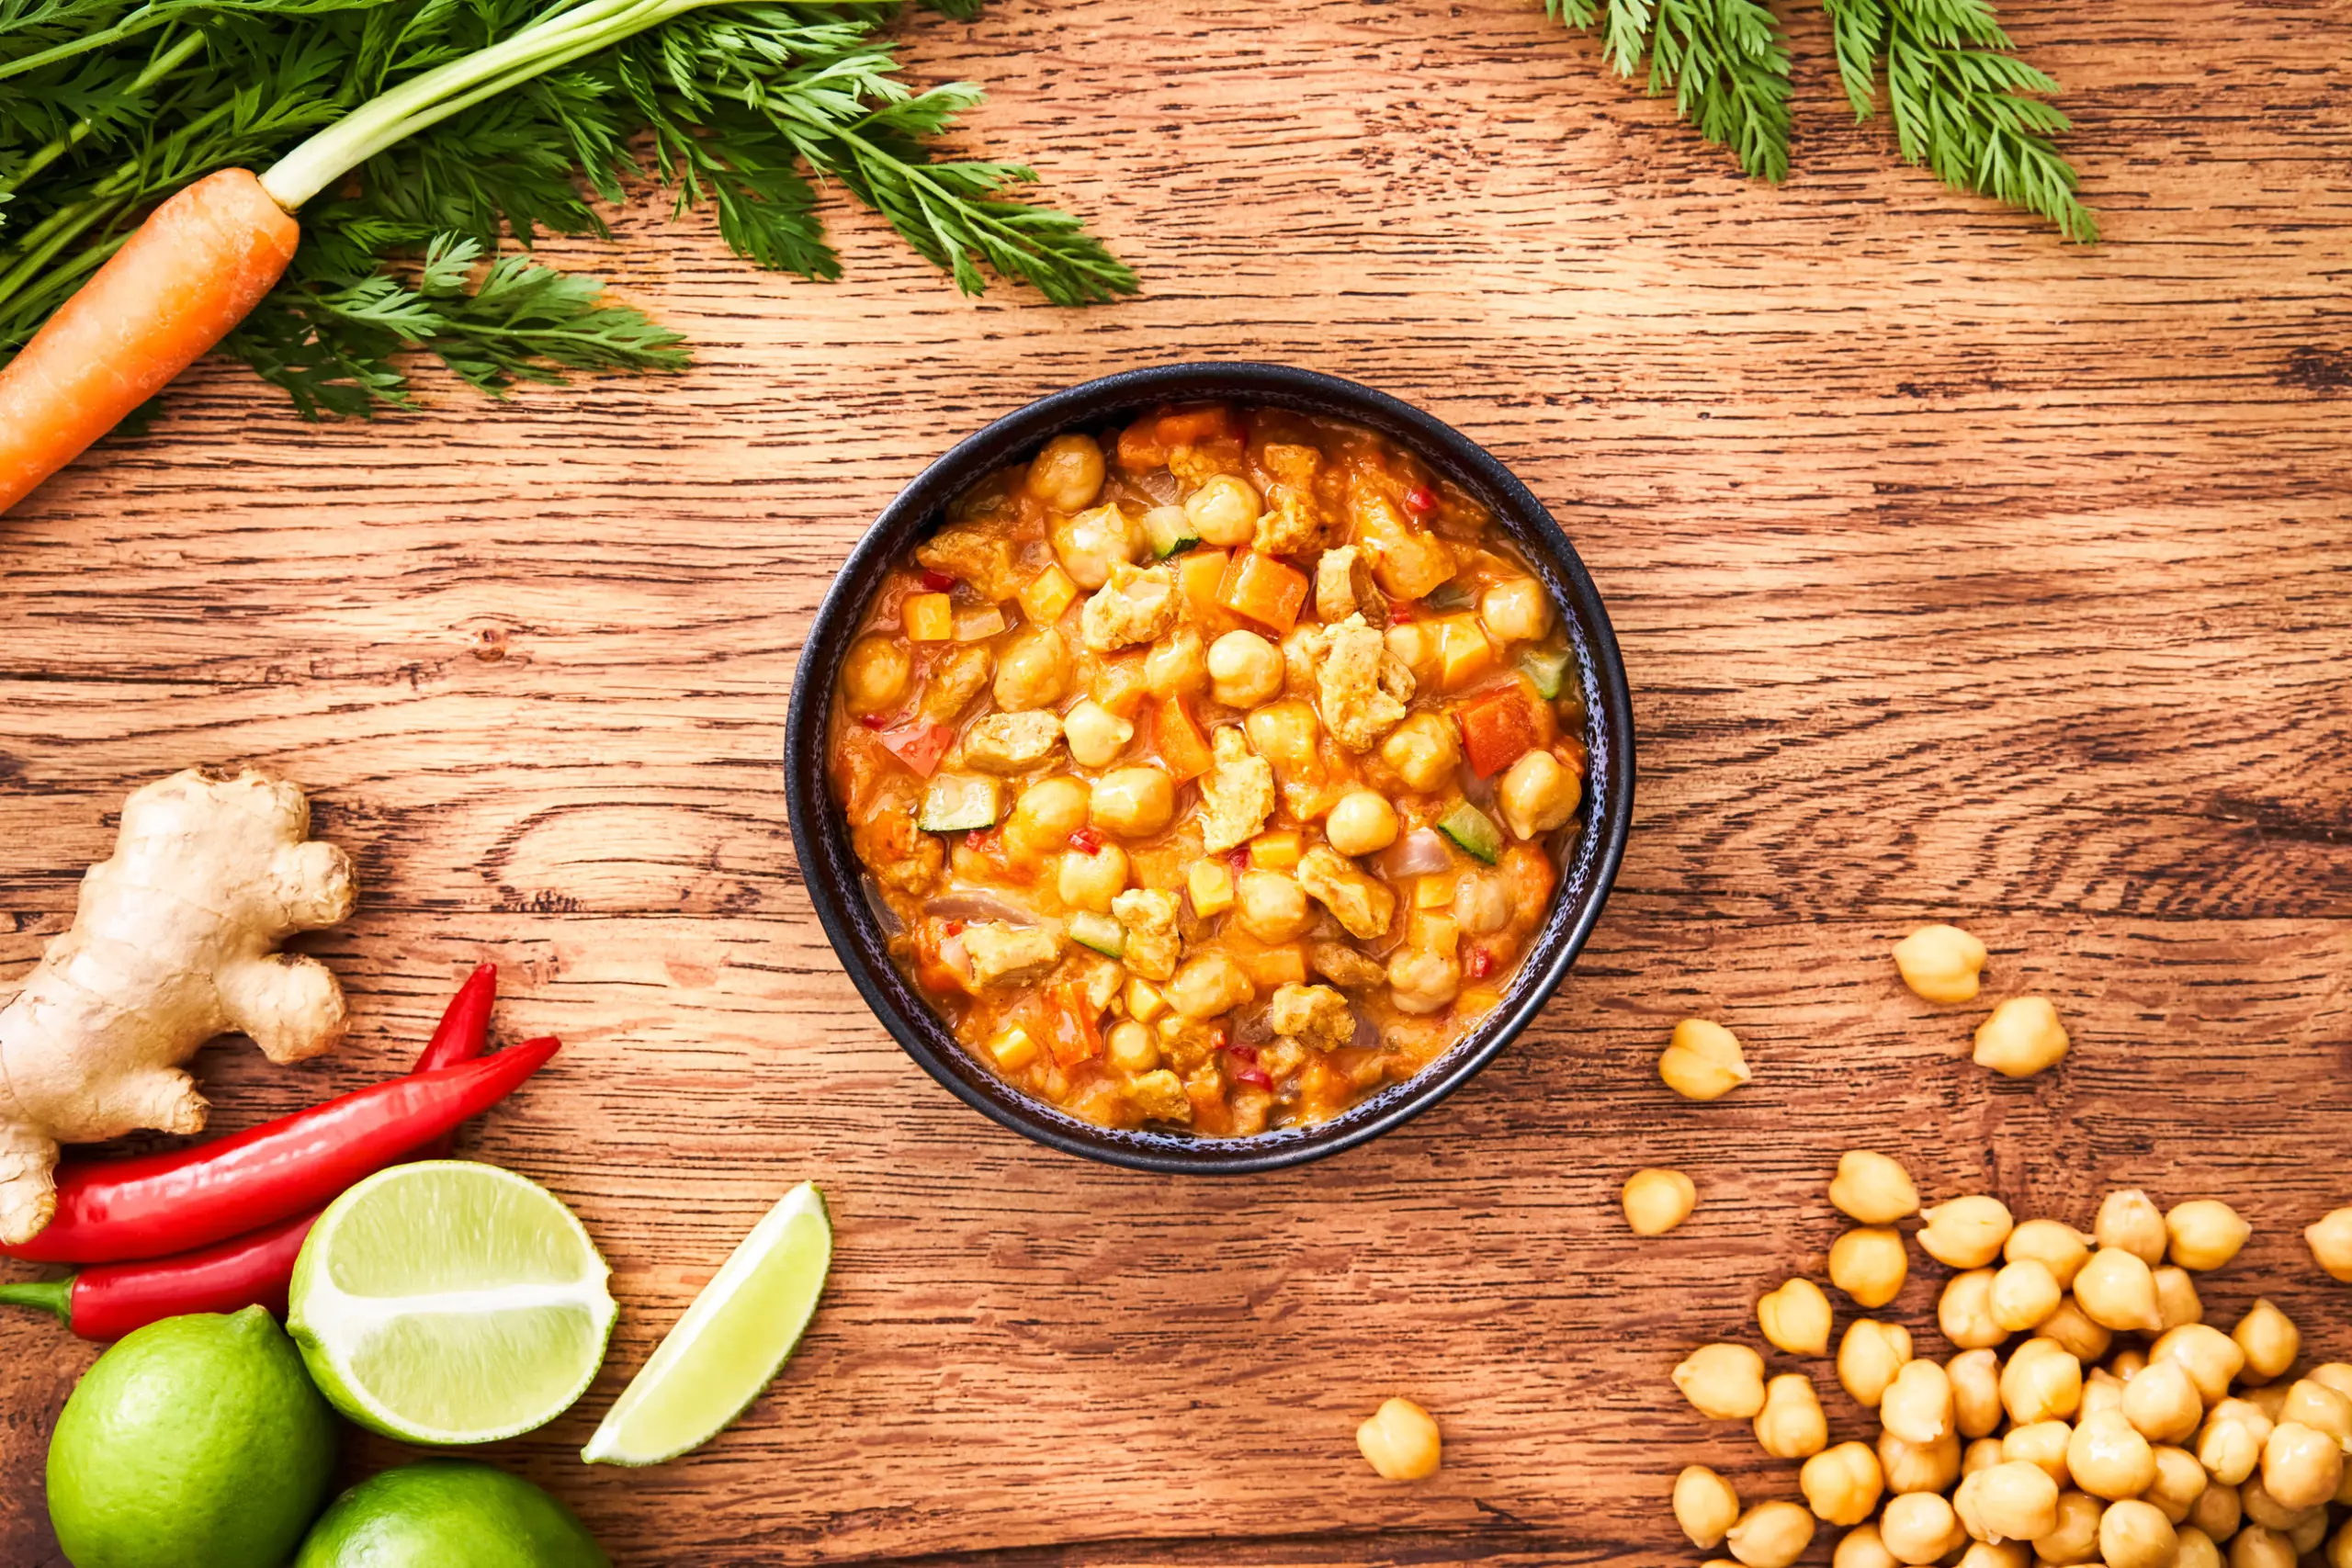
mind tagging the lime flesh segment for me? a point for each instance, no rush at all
(447, 1302)
(731, 1342)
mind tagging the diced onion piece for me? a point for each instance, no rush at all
(1418, 853)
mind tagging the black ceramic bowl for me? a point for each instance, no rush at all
(831, 870)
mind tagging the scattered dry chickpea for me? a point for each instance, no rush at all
(1723, 1382)
(1401, 1441)
(1941, 963)
(2162, 1403)
(2130, 1219)
(1917, 1405)
(1657, 1201)
(1790, 1425)
(1795, 1318)
(2269, 1339)
(1975, 1378)
(1771, 1535)
(1702, 1061)
(2058, 1247)
(1868, 1264)
(1966, 1233)
(2211, 1358)
(1911, 1467)
(2021, 1038)
(2132, 1534)
(1842, 1484)
(2108, 1459)
(2016, 1501)
(2024, 1295)
(2041, 1382)
(1869, 1356)
(2117, 1290)
(2300, 1468)
(1964, 1311)
(2072, 1331)
(1919, 1527)
(1873, 1189)
(1705, 1505)
(1861, 1548)
(2042, 1444)
(2204, 1234)
(2176, 1299)
(2329, 1239)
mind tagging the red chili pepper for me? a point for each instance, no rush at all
(1420, 498)
(157, 1204)
(952, 927)
(463, 1032)
(1400, 613)
(937, 582)
(1087, 842)
(1246, 1053)
(1482, 963)
(112, 1299)
(874, 720)
(1238, 859)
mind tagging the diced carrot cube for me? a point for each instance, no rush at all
(1199, 573)
(1283, 964)
(1140, 447)
(1045, 596)
(1181, 743)
(1202, 421)
(1119, 684)
(1262, 589)
(928, 617)
(1280, 849)
(1498, 728)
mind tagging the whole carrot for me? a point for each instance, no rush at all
(111, 1299)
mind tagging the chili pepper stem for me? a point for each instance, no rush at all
(52, 1296)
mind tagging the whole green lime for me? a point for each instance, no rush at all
(196, 1442)
(448, 1513)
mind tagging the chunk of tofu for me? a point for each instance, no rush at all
(1292, 521)
(1359, 902)
(979, 554)
(1005, 954)
(1150, 917)
(1209, 985)
(1012, 743)
(1344, 967)
(1360, 687)
(902, 856)
(1343, 585)
(1315, 1016)
(1158, 1095)
(1406, 561)
(955, 681)
(1133, 606)
(1237, 796)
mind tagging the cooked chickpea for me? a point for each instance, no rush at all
(2162, 1403)
(2312, 1404)
(1795, 1318)
(2269, 1339)
(1224, 510)
(2203, 1234)
(2269, 1401)
(2176, 1299)
(1482, 903)
(2076, 1539)
(875, 674)
(2300, 1468)
(2339, 1548)
(1869, 1356)
(2254, 1547)
(1090, 544)
(2042, 1444)
(1284, 734)
(1537, 795)
(1985, 1555)
(1095, 734)
(1175, 666)
(2180, 1481)
(1421, 982)
(1207, 986)
(1516, 610)
(2076, 1333)
(1723, 1382)
(2194, 1547)
(2336, 1375)
(1033, 672)
(2264, 1509)
(1983, 1453)
(1414, 645)
(2024, 1295)
(1917, 1405)
(1842, 1484)
(1705, 1505)
(1130, 1048)
(1790, 1425)
(1132, 802)
(1873, 1189)
(2329, 1239)
(1045, 817)
(1424, 752)
(2211, 1358)
(2108, 1459)
(2132, 1534)
(1273, 906)
(1966, 1233)
(2022, 1037)
(1771, 1535)
(1067, 474)
(2216, 1510)
(1913, 1467)
(2102, 1393)
(1861, 1548)
(1702, 1060)
(1964, 1311)
(2130, 1219)
(1868, 1264)
(1920, 1526)
(2041, 1382)
(1092, 881)
(1941, 963)
(2118, 1290)
(1244, 670)
(2230, 1445)
(1975, 1392)
(1401, 1441)
(1655, 1201)
(1361, 822)
(2016, 1501)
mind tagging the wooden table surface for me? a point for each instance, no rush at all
(1960, 574)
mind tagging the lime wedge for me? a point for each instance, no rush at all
(447, 1302)
(731, 1344)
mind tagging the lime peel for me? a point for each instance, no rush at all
(731, 1342)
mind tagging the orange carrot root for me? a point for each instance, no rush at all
(198, 265)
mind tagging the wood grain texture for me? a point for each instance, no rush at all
(1958, 572)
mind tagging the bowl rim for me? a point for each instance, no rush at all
(822, 857)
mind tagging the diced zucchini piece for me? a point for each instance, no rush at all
(957, 802)
(1100, 932)
(1170, 531)
(1548, 671)
(1449, 596)
(1474, 830)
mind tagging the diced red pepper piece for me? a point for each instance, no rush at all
(1481, 965)
(920, 745)
(1086, 841)
(1422, 498)
(1498, 728)
(1075, 1034)
(938, 581)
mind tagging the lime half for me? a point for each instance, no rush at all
(731, 1344)
(447, 1302)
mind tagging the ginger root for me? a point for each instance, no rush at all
(175, 942)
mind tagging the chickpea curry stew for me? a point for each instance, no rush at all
(1212, 774)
